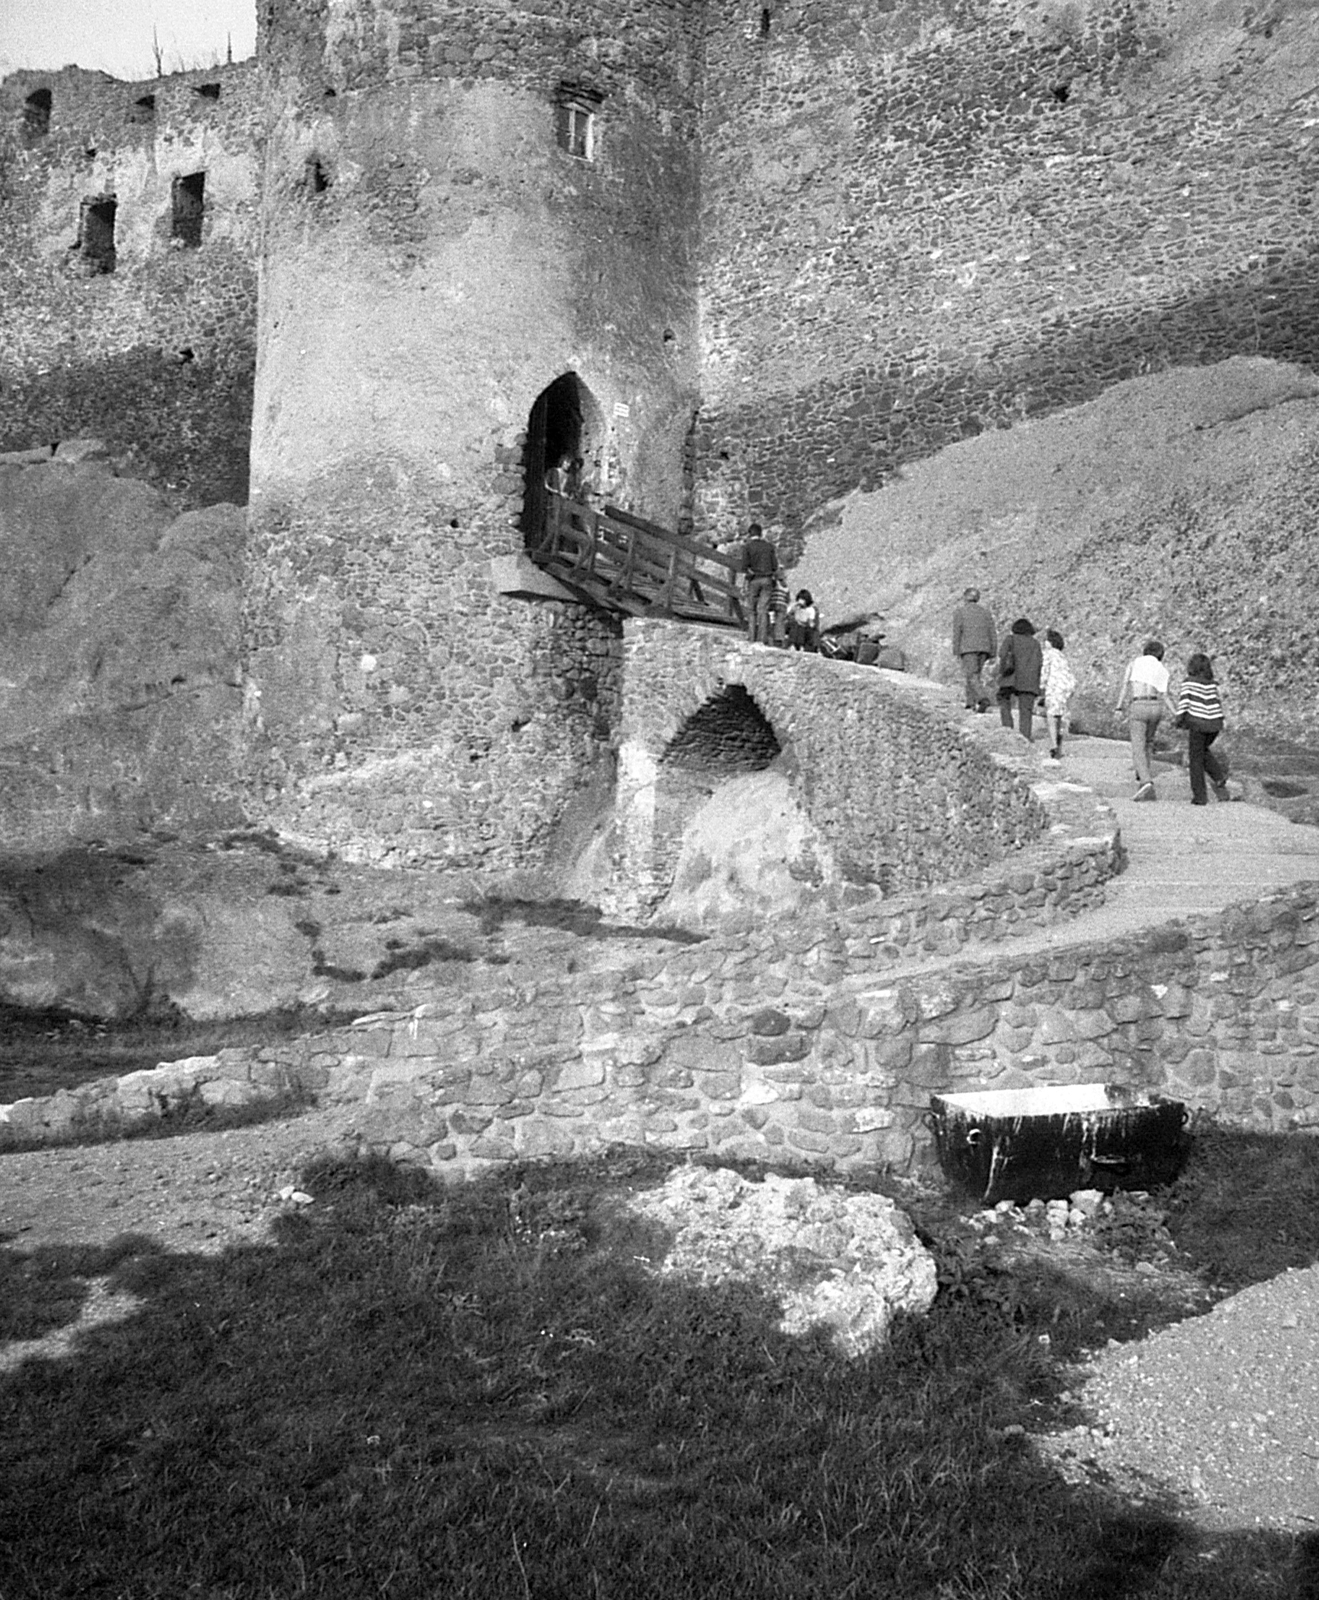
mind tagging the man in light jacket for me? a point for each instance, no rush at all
(974, 641)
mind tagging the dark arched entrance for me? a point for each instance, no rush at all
(564, 437)
(727, 734)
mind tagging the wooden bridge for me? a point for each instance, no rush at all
(623, 563)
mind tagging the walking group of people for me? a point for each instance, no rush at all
(1198, 709)
(1029, 670)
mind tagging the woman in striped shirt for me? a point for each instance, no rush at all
(1200, 712)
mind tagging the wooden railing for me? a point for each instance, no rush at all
(624, 563)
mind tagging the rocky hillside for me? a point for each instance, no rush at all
(1184, 505)
(119, 697)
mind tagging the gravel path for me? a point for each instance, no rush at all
(1221, 1410)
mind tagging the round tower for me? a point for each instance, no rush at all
(479, 256)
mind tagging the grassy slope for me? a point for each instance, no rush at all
(481, 1392)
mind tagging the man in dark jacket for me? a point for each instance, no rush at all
(974, 641)
(1019, 663)
(761, 564)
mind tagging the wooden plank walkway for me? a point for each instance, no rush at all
(620, 562)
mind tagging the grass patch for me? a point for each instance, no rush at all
(480, 1392)
(1247, 1206)
(44, 1051)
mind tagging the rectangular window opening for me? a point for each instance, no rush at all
(143, 110)
(96, 233)
(576, 126)
(189, 196)
(36, 115)
(208, 91)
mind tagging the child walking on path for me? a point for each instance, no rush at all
(1057, 683)
(1200, 712)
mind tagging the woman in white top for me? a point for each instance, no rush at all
(1144, 698)
(804, 622)
(1057, 683)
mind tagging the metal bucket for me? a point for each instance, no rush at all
(1024, 1144)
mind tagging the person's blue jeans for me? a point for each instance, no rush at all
(1200, 759)
(1143, 717)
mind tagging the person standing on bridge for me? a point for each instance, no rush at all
(974, 642)
(760, 562)
(804, 622)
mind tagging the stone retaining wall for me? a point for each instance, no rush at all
(606, 1055)
(720, 1049)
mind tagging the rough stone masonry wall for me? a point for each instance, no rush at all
(716, 1042)
(434, 261)
(156, 357)
(904, 796)
(928, 218)
(732, 1049)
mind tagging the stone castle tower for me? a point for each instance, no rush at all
(479, 255)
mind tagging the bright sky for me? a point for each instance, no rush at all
(115, 35)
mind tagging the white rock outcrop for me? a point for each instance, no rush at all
(846, 1260)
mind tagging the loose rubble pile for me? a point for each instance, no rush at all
(1127, 1223)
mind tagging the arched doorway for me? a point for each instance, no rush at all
(565, 434)
(727, 737)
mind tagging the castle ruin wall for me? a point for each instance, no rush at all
(128, 224)
(926, 219)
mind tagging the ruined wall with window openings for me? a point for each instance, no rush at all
(128, 237)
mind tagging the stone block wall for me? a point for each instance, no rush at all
(634, 44)
(929, 218)
(156, 356)
(687, 1047)
(730, 1050)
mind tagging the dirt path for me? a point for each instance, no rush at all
(195, 1192)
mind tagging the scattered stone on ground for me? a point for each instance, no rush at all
(848, 1261)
